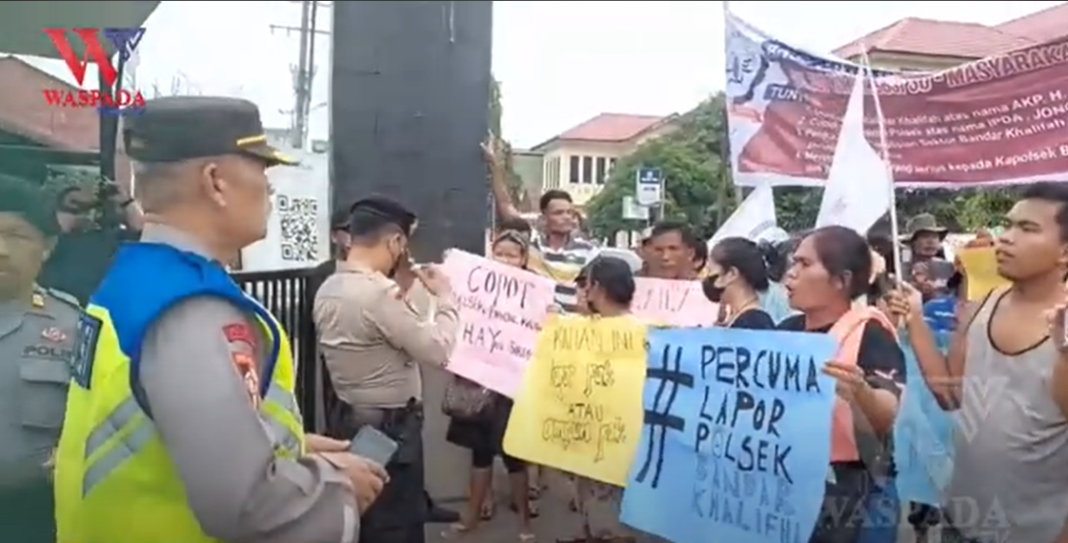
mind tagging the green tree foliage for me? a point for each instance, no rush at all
(699, 191)
(504, 149)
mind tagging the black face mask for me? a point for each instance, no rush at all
(712, 292)
(401, 257)
(396, 265)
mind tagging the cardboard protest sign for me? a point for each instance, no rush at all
(980, 271)
(1000, 119)
(501, 311)
(672, 303)
(579, 408)
(738, 429)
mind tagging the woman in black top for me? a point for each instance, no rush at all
(484, 435)
(737, 273)
(831, 267)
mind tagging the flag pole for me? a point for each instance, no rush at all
(884, 153)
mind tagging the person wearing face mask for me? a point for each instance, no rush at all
(737, 275)
(181, 419)
(373, 340)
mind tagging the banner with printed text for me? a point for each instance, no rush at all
(736, 438)
(999, 120)
(501, 311)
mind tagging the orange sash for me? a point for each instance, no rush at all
(848, 332)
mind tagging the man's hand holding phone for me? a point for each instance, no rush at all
(366, 477)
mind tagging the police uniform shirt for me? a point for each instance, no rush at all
(200, 404)
(372, 339)
(36, 344)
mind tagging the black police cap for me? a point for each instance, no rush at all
(176, 128)
(30, 201)
(339, 219)
(379, 210)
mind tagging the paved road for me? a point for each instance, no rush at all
(555, 521)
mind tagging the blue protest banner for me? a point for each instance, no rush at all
(736, 436)
(923, 435)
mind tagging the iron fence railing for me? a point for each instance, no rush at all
(287, 294)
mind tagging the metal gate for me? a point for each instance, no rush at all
(286, 295)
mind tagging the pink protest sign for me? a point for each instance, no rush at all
(673, 303)
(501, 311)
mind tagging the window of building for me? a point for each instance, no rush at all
(573, 170)
(587, 169)
(599, 171)
(611, 164)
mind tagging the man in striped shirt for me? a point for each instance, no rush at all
(557, 250)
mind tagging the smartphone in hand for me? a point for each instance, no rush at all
(370, 443)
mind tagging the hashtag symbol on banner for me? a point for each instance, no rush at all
(660, 419)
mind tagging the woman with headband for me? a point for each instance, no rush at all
(484, 434)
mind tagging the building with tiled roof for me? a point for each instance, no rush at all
(579, 159)
(914, 44)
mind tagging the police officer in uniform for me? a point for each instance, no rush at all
(373, 341)
(182, 423)
(37, 331)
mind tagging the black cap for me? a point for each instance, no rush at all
(339, 219)
(29, 200)
(176, 128)
(375, 211)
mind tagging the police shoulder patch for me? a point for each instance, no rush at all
(85, 349)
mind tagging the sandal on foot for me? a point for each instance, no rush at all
(532, 508)
(527, 537)
(487, 511)
(456, 530)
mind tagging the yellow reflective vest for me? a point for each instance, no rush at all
(114, 479)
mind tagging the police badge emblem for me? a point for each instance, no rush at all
(85, 349)
(53, 334)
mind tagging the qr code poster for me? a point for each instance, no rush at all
(298, 218)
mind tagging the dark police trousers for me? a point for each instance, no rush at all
(397, 516)
(27, 515)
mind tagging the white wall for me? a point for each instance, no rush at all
(298, 228)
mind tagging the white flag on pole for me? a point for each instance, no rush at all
(858, 189)
(756, 216)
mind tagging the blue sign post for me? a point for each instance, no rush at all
(649, 186)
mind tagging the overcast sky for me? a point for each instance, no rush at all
(560, 63)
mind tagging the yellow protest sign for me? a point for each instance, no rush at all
(980, 271)
(579, 407)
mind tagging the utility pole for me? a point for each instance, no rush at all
(304, 71)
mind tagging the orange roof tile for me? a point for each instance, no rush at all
(609, 127)
(936, 38)
(1042, 26)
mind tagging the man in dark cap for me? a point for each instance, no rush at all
(925, 268)
(373, 339)
(37, 331)
(182, 407)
